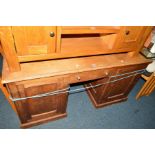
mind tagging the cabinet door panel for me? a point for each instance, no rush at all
(98, 92)
(130, 36)
(32, 40)
(116, 88)
(43, 104)
(121, 88)
(37, 109)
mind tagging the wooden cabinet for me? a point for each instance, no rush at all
(28, 77)
(34, 111)
(115, 88)
(36, 43)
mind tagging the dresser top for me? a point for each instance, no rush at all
(34, 70)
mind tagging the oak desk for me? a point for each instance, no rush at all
(56, 75)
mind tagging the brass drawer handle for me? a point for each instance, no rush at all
(52, 34)
(127, 32)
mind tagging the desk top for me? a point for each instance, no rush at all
(34, 70)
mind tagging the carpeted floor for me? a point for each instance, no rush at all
(82, 115)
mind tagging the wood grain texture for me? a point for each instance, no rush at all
(58, 39)
(9, 51)
(1, 49)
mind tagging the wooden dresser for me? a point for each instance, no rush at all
(40, 63)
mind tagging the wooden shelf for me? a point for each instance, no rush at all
(89, 29)
(87, 44)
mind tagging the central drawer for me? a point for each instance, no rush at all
(90, 75)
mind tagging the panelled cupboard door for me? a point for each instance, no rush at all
(120, 88)
(39, 108)
(129, 37)
(98, 92)
(115, 88)
(34, 40)
(123, 83)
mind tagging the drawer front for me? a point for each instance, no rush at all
(89, 75)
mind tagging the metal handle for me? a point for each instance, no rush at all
(127, 32)
(52, 34)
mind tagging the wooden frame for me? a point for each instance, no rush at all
(148, 87)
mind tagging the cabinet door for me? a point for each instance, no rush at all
(33, 109)
(99, 91)
(34, 40)
(121, 88)
(130, 37)
(116, 88)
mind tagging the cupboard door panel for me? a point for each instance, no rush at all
(34, 40)
(116, 88)
(98, 92)
(34, 110)
(130, 36)
(43, 104)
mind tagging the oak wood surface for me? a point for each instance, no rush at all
(31, 40)
(9, 51)
(68, 66)
(1, 48)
